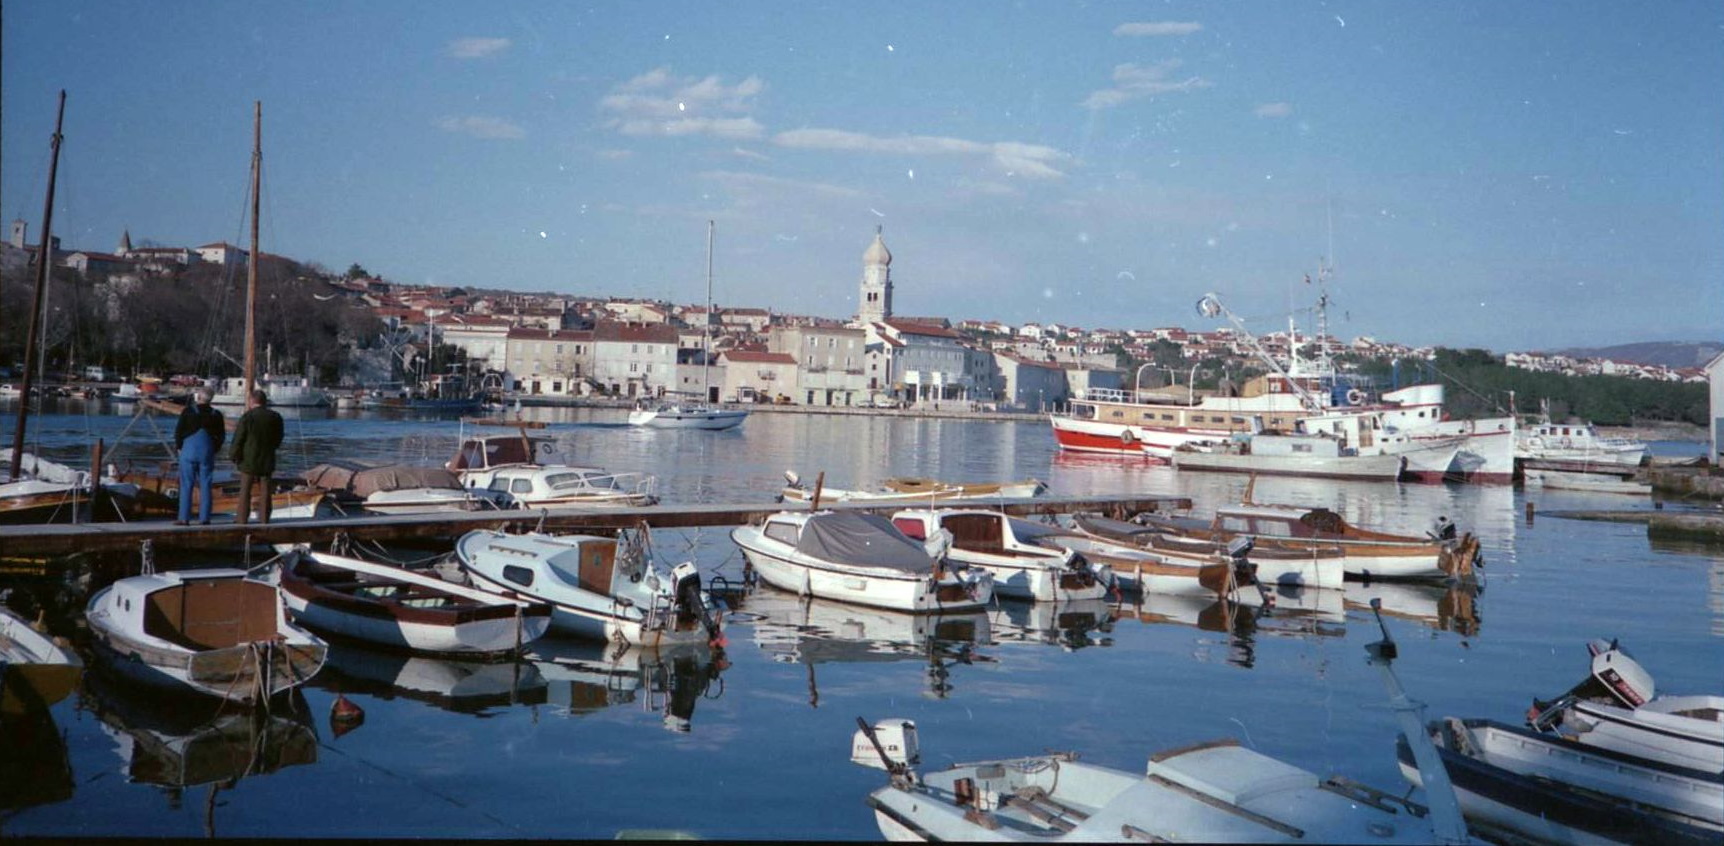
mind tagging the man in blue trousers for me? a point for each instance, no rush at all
(200, 433)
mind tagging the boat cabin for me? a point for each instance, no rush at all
(205, 609)
(484, 452)
(530, 485)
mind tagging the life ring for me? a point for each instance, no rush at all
(1567, 442)
(1355, 397)
(1127, 437)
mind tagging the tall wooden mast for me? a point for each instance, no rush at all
(44, 264)
(252, 260)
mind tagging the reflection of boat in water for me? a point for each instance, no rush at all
(36, 669)
(812, 631)
(466, 687)
(1072, 625)
(583, 677)
(1297, 612)
(1451, 608)
(163, 742)
(35, 768)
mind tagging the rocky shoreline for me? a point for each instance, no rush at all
(1658, 431)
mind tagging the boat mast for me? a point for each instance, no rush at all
(251, 264)
(44, 261)
(706, 331)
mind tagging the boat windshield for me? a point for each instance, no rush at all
(563, 481)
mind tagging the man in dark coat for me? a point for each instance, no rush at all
(254, 444)
(197, 439)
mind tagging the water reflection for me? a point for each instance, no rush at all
(1068, 625)
(1451, 608)
(1296, 613)
(465, 687)
(584, 677)
(35, 768)
(809, 631)
(166, 742)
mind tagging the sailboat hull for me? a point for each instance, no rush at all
(673, 418)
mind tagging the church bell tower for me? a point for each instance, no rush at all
(874, 305)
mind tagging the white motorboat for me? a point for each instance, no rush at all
(911, 490)
(1370, 554)
(1514, 784)
(1617, 708)
(597, 587)
(990, 540)
(687, 416)
(859, 558)
(1214, 792)
(391, 606)
(1267, 454)
(508, 467)
(1314, 567)
(1369, 432)
(216, 632)
(36, 669)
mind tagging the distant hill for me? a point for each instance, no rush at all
(1667, 353)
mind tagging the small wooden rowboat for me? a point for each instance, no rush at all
(910, 490)
(215, 632)
(390, 606)
(36, 670)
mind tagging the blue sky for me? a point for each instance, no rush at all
(1509, 175)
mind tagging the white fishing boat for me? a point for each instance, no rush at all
(913, 489)
(1514, 784)
(1617, 707)
(216, 632)
(597, 587)
(1370, 432)
(990, 540)
(1575, 443)
(36, 669)
(378, 603)
(1214, 792)
(699, 414)
(1190, 542)
(860, 558)
(1268, 454)
(284, 391)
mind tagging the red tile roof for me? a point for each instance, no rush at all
(752, 357)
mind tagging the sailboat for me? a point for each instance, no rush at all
(700, 414)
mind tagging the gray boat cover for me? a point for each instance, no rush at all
(863, 540)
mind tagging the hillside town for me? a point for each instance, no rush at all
(555, 347)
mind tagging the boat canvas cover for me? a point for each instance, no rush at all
(862, 540)
(364, 479)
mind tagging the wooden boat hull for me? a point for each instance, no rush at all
(1287, 568)
(462, 629)
(910, 494)
(881, 588)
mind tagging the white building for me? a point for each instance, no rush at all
(485, 341)
(222, 254)
(547, 361)
(874, 304)
(1715, 376)
(749, 372)
(830, 362)
(635, 360)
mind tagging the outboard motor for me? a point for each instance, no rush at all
(887, 745)
(1616, 678)
(690, 602)
(1245, 572)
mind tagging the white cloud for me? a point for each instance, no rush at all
(480, 126)
(738, 179)
(1030, 160)
(477, 48)
(1273, 110)
(1132, 81)
(1152, 28)
(749, 154)
(660, 103)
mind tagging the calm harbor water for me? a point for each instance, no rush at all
(753, 743)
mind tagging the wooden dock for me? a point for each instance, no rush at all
(37, 542)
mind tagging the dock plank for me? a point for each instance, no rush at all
(58, 540)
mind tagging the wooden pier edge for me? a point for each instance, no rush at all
(60, 540)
